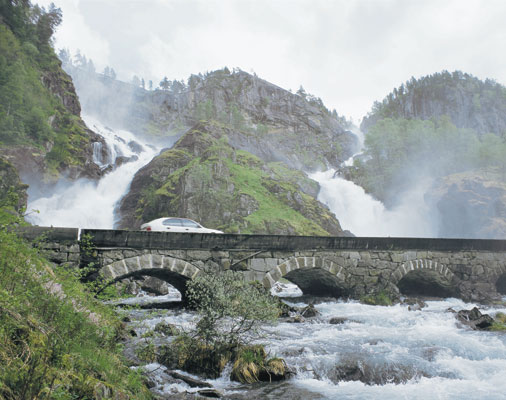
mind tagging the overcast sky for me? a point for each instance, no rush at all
(348, 52)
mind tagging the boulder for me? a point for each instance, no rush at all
(475, 319)
(309, 311)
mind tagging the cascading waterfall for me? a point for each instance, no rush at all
(363, 215)
(88, 204)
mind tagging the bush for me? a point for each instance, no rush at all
(230, 309)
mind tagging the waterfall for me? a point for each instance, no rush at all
(364, 215)
(88, 204)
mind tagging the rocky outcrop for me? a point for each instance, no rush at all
(470, 205)
(269, 122)
(468, 101)
(204, 178)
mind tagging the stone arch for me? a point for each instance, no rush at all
(173, 270)
(427, 277)
(302, 270)
(500, 280)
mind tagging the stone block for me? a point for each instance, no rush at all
(199, 255)
(397, 257)
(258, 264)
(409, 255)
(133, 264)
(130, 253)
(354, 255)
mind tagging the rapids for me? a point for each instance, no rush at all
(397, 353)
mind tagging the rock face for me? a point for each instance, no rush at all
(203, 177)
(468, 101)
(470, 205)
(269, 122)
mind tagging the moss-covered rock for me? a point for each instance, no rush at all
(205, 178)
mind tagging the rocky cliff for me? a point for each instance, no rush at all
(470, 205)
(41, 132)
(206, 178)
(268, 121)
(467, 100)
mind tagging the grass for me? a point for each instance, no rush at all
(56, 341)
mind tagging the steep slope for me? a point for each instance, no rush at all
(468, 101)
(268, 121)
(41, 131)
(205, 178)
(448, 127)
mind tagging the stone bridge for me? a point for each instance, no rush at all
(471, 269)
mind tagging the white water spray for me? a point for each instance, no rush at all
(88, 204)
(363, 215)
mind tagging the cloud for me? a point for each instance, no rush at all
(349, 53)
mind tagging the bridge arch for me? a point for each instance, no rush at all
(170, 269)
(313, 275)
(425, 277)
(500, 280)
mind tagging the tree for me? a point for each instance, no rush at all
(143, 84)
(150, 84)
(229, 308)
(165, 83)
(47, 23)
(301, 92)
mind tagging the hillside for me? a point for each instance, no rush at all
(41, 132)
(450, 128)
(204, 178)
(468, 101)
(270, 122)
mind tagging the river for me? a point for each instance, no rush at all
(400, 354)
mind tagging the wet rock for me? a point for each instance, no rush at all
(475, 319)
(120, 160)
(337, 320)
(135, 147)
(414, 304)
(212, 393)
(155, 286)
(374, 374)
(298, 319)
(309, 311)
(192, 382)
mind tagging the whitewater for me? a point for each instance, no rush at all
(88, 204)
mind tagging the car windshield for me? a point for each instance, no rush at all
(172, 222)
(190, 224)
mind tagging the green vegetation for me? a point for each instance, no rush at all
(396, 148)
(499, 324)
(56, 341)
(448, 93)
(230, 310)
(377, 299)
(31, 113)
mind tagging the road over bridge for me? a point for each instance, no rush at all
(471, 269)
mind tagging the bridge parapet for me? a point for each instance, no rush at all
(342, 266)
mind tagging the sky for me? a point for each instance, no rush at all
(349, 53)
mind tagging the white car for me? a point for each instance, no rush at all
(169, 224)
